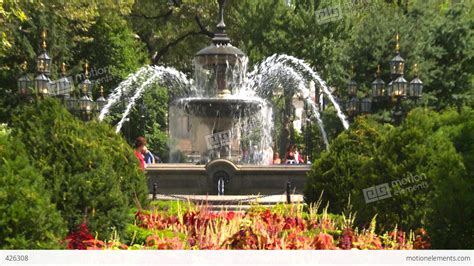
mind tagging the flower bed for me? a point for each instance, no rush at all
(284, 227)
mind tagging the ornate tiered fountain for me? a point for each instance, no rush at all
(213, 121)
(213, 129)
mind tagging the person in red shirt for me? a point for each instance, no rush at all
(140, 143)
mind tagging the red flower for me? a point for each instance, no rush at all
(422, 239)
(323, 241)
(346, 239)
(229, 216)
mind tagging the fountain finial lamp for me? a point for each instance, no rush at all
(217, 64)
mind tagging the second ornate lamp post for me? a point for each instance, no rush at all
(396, 91)
(62, 88)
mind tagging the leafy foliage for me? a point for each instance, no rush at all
(114, 49)
(426, 145)
(91, 172)
(27, 217)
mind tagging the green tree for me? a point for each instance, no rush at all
(69, 39)
(114, 49)
(91, 172)
(27, 217)
(427, 144)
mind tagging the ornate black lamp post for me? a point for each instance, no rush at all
(391, 95)
(62, 88)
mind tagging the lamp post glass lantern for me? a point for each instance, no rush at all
(42, 84)
(43, 61)
(24, 84)
(101, 101)
(63, 86)
(71, 103)
(415, 88)
(365, 105)
(416, 85)
(397, 64)
(378, 85)
(352, 88)
(353, 106)
(86, 104)
(399, 87)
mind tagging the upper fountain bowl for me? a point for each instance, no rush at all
(221, 107)
(219, 54)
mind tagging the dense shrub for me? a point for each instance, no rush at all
(28, 219)
(426, 164)
(91, 171)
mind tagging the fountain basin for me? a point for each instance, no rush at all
(194, 179)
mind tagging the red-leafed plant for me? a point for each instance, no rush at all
(80, 239)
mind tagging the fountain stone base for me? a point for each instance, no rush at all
(194, 179)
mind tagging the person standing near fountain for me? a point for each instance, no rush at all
(290, 156)
(140, 143)
(298, 157)
(276, 158)
(148, 156)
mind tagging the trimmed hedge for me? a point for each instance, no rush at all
(91, 172)
(427, 164)
(28, 219)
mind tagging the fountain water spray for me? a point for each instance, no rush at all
(259, 76)
(273, 72)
